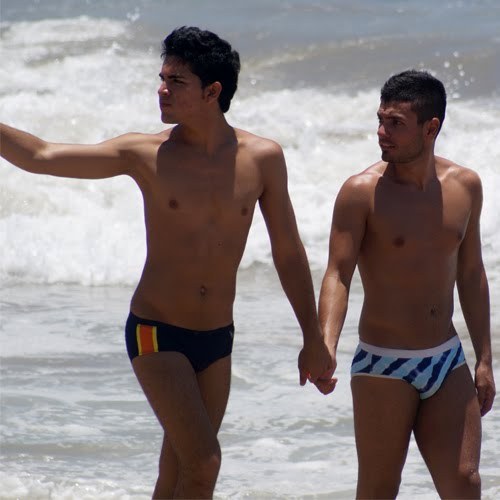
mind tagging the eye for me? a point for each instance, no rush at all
(161, 77)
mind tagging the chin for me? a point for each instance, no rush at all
(386, 156)
(167, 119)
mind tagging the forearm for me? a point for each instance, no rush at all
(475, 302)
(21, 148)
(295, 276)
(333, 302)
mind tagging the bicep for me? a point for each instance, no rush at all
(274, 201)
(93, 161)
(469, 253)
(346, 235)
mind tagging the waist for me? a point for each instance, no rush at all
(410, 353)
(179, 328)
(203, 309)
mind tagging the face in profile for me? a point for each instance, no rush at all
(180, 92)
(400, 136)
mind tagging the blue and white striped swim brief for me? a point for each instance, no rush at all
(424, 369)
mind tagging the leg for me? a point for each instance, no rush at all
(190, 459)
(448, 434)
(384, 415)
(214, 384)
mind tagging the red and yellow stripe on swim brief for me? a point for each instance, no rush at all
(147, 340)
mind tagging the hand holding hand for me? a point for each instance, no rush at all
(317, 365)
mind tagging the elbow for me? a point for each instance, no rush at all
(473, 284)
(287, 259)
(41, 156)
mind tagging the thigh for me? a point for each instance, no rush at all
(384, 415)
(214, 383)
(171, 387)
(448, 432)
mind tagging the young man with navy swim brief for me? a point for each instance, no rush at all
(411, 224)
(200, 181)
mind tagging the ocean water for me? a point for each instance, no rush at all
(73, 420)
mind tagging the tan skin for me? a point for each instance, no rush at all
(200, 182)
(411, 225)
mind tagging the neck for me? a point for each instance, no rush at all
(208, 133)
(420, 172)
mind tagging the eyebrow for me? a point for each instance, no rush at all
(172, 76)
(390, 115)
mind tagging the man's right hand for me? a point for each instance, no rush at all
(311, 357)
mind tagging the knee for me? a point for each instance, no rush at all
(202, 471)
(207, 467)
(378, 486)
(470, 481)
(378, 490)
(464, 482)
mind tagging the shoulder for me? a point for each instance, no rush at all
(136, 140)
(363, 184)
(466, 177)
(355, 197)
(259, 148)
(141, 149)
(132, 146)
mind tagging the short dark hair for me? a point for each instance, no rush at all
(424, 92)
(209, 57)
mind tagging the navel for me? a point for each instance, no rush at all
(434, 311)
(203, 290)
(173, 204)
(398, 242)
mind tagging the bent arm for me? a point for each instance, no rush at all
(32, 154)
(473, 292)
(348, 228)
(291, 263)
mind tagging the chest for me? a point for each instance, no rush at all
(219, 188)
(413, 221)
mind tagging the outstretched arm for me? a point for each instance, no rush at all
(473, 292)
(30, 153)
(348, 227)
(293, 268)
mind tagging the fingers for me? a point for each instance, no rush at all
(485, 395)
(326, 386)
(303, 376)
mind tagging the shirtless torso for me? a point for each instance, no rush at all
(198, 211)
(408, 255)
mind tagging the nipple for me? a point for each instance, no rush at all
(173, 204)
(399, 241)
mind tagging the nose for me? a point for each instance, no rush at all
(163, 89)
(381, 131)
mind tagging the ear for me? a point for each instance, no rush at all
(212, 91)
(432, 128)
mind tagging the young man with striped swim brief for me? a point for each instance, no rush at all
(411, 224)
